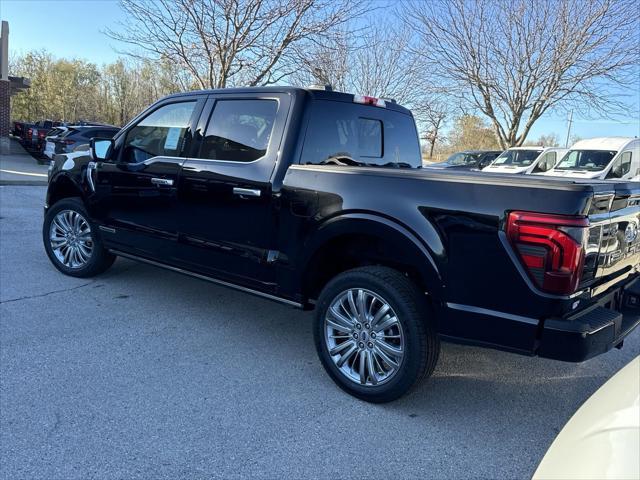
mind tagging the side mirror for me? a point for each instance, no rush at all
(101, 148)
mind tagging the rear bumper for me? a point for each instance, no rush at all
(594, 330)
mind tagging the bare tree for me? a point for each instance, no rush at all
(232, 42)
(436, 121)
(325, 65)
(432, 114)
(383, 65)
(514, 60)
(379, 61)
(546, 140)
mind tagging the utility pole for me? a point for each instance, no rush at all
(566, 143)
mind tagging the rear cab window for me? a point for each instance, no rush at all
(348, 134)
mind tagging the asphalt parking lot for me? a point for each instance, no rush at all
(143, 373)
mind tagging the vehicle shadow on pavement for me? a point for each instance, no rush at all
(479, 399)
(467, 379)
(208, 374)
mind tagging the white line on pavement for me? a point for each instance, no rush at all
(24, 173)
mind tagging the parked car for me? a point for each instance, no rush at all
(49, 149)
(317, 199)
(38, 133)
(602, 439)
(605, 157)
(19, 129)
(526, 160)
(25, 140)
(78, 135)
(468, 160)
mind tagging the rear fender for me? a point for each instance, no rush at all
(407, 247)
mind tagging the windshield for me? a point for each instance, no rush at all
(463, 158)
(586, 160)
(517, 158)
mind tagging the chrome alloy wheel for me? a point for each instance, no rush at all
(364, 337)
(70, 237)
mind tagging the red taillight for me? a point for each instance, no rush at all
(366, 100)
(551, 247)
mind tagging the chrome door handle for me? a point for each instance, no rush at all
(162, 181)
(91, 166)
(246, 192)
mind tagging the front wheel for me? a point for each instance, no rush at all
(71, 242)
(374, 333)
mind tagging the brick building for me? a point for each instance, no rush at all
(8, 86)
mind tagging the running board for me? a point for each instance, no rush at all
(208, 279)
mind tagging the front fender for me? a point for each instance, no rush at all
(66, 178)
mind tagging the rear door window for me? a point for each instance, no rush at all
(341, 133)
(239, 130)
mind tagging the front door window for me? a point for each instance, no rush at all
(162, 133)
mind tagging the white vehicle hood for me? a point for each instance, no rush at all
(602, 439)
(504, 169)
(573, 173)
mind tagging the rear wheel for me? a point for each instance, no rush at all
(71, 242)
(374, 333)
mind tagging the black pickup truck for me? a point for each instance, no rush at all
(317, 199)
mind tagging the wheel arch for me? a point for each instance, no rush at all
(354, 240)
(62, 186)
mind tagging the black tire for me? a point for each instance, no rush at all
(421, 342)
(99, 260)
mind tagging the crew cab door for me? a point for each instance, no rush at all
(226, 203)
(135, 192)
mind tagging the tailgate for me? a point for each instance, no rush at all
(613, 247)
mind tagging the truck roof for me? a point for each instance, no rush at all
(602, 143)
(315, 93)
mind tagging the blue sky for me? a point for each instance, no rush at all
(72, 28)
